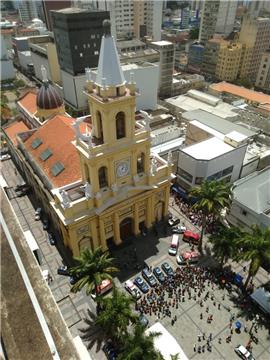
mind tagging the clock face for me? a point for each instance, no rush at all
(122, 168)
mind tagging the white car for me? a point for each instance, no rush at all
(243, 353)
(131, 288)
(5, 157)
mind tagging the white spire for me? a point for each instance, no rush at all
(108, 63)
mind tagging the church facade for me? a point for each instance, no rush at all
(124, 188)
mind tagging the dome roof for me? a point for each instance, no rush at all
(48, 98)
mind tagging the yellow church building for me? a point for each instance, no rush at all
(124, 187)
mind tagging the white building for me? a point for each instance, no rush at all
(208, 160)
(251, 201)
(27, 10)
(25, 59)
(7, 68)
(226, 16)
(134, 18)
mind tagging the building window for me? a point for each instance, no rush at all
(185, 175)
(227, 171)
(95, 52)
(120, 125)
(75, 47)
(81, 54)
(140, 163)
(244, 212)
(99, 126)
(103, 177)
(93, 36)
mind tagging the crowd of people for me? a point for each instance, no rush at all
(193, 215)
(188, 283)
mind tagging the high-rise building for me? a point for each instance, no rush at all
(27, 10)
(166, 66)
(226, 17)
(208, 20)
(185, 13)
(263, 76)
(48, 6)
(218, 16)
(257, 7)
(130, 18)
(255, 37)
(78, 34)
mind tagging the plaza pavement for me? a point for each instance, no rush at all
(153, 250)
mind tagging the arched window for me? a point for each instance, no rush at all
(140, 163)
(99, 126)
(120, 125)
(103, 177)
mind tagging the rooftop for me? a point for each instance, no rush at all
(15, 128)
(242, 92)
(195, 99)
(216, 122)
(161, 43)
(29, 102)
(55, 138)
(254, 191)
(204, 149)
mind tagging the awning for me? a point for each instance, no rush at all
(180, 191)
(262, 297)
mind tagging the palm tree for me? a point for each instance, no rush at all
(116, 314)
(139, 346)
(255, 247)
(224, 243)
(93, 267)
(212, 197)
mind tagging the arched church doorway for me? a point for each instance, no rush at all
(126, 228)
(85, 242)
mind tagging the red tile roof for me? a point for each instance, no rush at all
(251, 95)
(57, 135)
(29, 102)
(15, 128)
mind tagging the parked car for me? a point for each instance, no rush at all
(188, 257)
(105, 286)
(63, 270)
(109, 350)
(5, 157)
(243, 353)
(143, 320)
(131, 288)
(45, 224)
(179, 229)
(51, 238)
(148, 276)
(173, 221)
(4, 151)
(191, 237)
(159, 274)
(167, 269)
(141, 284)
(38, 213)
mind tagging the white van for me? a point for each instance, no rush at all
(174, 245)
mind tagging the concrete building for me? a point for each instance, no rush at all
(263, 76)
(43, 52)
(7, 68)
(77, 35)
(222, 59)
(166, 64)
(24, 60)
(135, 50)
(106, 186)
(208, 160)
(6, 36)
(195, 57)
(255, 37)
(134, 18)
(208, 20)
(251, 201)
(258, 7)
(185, 14)
(27, 10)
(226, 17)
(182, 83)
(194, 100)
(48, 6)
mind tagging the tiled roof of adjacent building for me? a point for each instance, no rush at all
(242, 92)
(54, 139)
(14, 129)
(29, 102)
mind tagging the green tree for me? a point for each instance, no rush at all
(224, 243)
(93, 267)
(212, 197)
(139, 346)
(116, 314)
(194, 34)
(255, 247)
